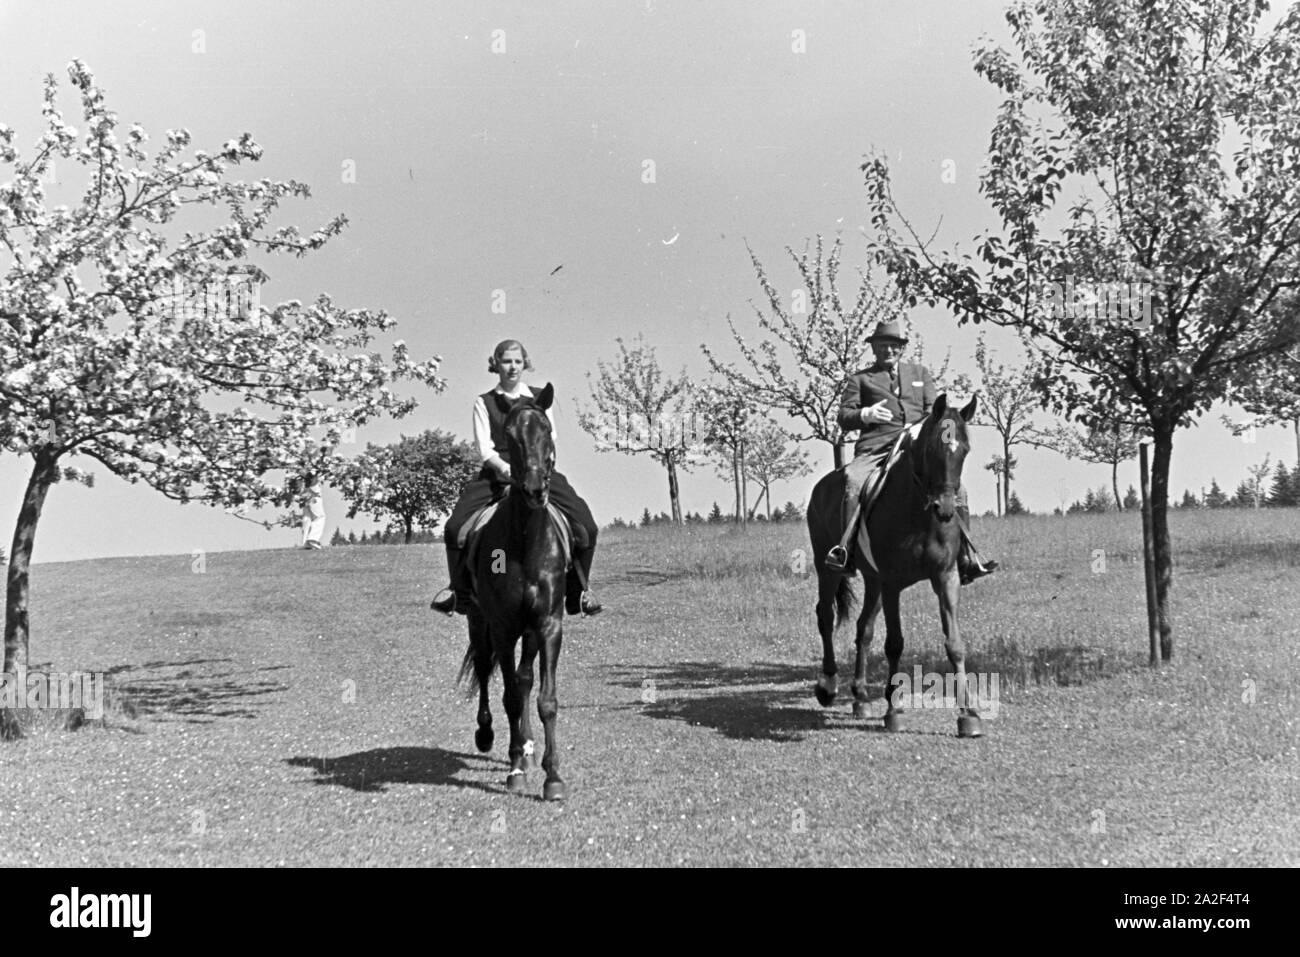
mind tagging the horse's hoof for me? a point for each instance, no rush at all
(825, 698)
(483, 738)
(969, 726)
(860, 709)
(893, 721)
(553, 791)
(517, 782)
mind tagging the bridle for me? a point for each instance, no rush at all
(934, 493)
(546, 469)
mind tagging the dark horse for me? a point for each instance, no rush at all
(518, 569)
(915, 536)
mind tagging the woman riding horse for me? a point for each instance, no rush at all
(509, 360)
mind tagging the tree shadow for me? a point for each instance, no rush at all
(377, 768)
(764, 701)
(1244, 556)
(644, 577)
(192, 690)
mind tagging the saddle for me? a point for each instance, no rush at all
(875, 482)
(471, 531)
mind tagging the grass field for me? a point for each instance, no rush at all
(299, 708)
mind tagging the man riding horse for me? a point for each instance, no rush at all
(880, 402)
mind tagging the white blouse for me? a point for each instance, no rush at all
(483, 427)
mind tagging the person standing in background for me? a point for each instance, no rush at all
(313, 513)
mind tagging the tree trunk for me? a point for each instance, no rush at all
(1297, 441)
(735, 482)
(44, 473)
(837, 448)
(744, 488)
(1114, 484)
(1163, 436)
(767, 500)
(1006, 477)
(407, 521)
(997, 488)
(671, 464)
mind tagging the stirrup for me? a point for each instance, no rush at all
(837, 558)
(585, 604)
(976, 570)
(444, 601)
(449, 602)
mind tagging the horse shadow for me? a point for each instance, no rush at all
(764, 701)
(376, 769)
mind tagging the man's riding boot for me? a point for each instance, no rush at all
(851, 512)
(837, 558)
(456, 597)
(970, 568)
(577, 601)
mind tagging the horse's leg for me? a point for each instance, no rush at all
(948, 590)
(548, 707)
(482, 644)
(829, 584)
(866, 631)
(893, 651)
(525, 679)
(517, 779)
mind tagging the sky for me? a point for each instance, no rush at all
(478, 147)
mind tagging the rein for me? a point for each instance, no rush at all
(545, 472)
(933, 494)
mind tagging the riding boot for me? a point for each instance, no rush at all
(838, 557)
(576, 600)
(969, 567)
(457, 596)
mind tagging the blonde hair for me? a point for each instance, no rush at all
(504, 346)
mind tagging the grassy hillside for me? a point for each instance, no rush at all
(299, 708)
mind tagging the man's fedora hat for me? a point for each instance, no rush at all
(888, 331)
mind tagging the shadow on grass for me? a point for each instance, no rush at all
(769, 701)
(760, 702)
(1239, 555)
(185, 620)
(192, 690)
(374, 770)
(644, 577)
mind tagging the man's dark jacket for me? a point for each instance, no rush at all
(866, 388)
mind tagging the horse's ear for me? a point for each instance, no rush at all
(940, 406)
(503, 403)
(544, 398)
(968, 410)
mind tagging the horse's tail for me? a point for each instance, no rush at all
(468, 673)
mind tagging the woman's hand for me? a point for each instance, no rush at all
(502, 470)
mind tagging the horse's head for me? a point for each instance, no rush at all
(532, 449)
(941, 450)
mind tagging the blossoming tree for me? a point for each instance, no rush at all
(1143, 146)
(101, 360)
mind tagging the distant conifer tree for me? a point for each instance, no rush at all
(1215, 498)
